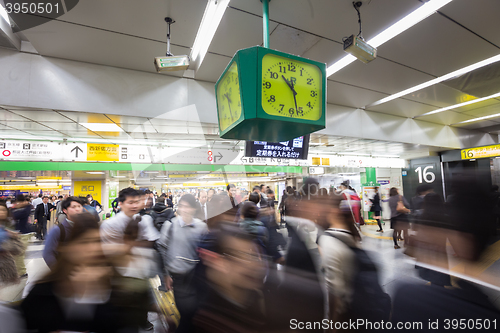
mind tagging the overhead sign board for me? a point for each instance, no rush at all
(102, 152)
(480, 152)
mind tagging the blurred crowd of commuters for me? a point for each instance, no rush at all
(232, 268)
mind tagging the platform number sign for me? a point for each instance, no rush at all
(426, 175)
(423, 171)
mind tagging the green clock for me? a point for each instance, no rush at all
(267, 95)
(229, 98)
(291, 88)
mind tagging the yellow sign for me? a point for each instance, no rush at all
(219, 175)
(480, 152)
(48, 178)
(86, 187)
(316, 161)
(31, 187)
(102, 152)
(325, 161)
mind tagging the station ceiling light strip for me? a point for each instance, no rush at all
(102, 127)
(402, 25)
(479, 118)
(437, 80)
(209, 23)
(451, 107)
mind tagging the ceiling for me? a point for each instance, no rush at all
(129, 34)
(55, 125)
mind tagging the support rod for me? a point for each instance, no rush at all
(265, 22)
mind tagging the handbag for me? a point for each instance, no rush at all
(166, 303)
(400, 208)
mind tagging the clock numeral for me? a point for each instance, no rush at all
(282, 69)
(272, 98)
(239, 104)
(309, 105)
(291, 111)
(291, 68)
(301, 70)
(267, 85)
(274, 75)
(313, 93)
(282, 106)
(293, 80)
(300, 111)
(309, 81)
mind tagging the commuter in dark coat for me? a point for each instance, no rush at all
(377, 209)
(42, 214)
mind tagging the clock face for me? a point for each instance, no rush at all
(291, 88)
(229, 98)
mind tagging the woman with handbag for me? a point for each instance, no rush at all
(399, 216)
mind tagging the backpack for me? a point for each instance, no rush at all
(159, 218)
(369, 301)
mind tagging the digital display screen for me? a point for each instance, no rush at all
(295, 149)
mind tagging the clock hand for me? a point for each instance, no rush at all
(229, 104)
(291, 85)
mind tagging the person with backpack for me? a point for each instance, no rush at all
(71, 207)
(160, 213)
(351, 276)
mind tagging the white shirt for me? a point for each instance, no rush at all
(36, 202)
(113, 229)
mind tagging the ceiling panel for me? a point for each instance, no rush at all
(128, 120)
(439, 95)
(47, 134)
(42, 116)
(380, 75)
(403, 108)
(347, 95)
(25, 125)
(66, 126)
(484, 111)
(64, 40)
(236, 31)
(212, 68)
(290, 40)
(478, 124)
(332, 18)
(6, 115)
(146, 128)
(82, 117)
(446, 118)
(481, 16)
(447, 46)
(142, 18)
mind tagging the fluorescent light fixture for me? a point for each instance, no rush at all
(102, 127)
(95, 172)
(479, 118)
(151, 171)
(120, 177)
(402, 25)
(389, 156)
(355, 154)
(316, 144)
(451, 107)
(209, 23)
(437, 80)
